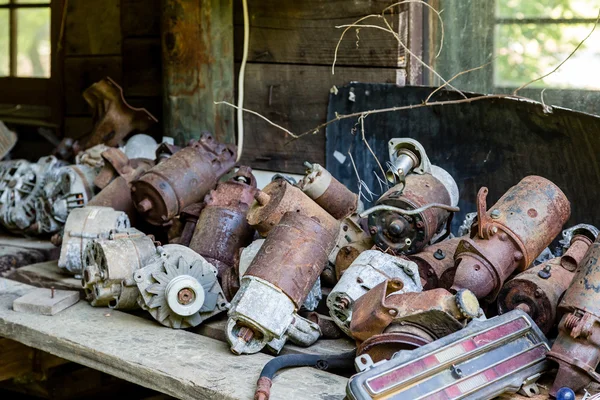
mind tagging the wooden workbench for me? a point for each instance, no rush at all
(178, 363)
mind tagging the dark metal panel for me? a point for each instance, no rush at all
(492, 142)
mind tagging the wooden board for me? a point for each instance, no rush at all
(175, 362)
(295, 97)
(142, 67)
(140, 18)
(197, 53)
(93, 28)
(491, 142)
(80, 73)
(45, 275)
(215, 329)
(304, 32)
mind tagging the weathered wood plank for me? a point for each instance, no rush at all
(216, 329)
(304, 32)
(142, 67)
(197, 51)
(295, 97)
(174, 362)
(93, 27)
(80, 73)
(140, 18)
(45, 275)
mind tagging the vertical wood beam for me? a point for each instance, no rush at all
(197, 52)
(12, 40)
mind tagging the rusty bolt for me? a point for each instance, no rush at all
(420, 225)
(344, 303)
(538, 293)
(144, 205)
(396, 227)
(518, 255)
(439, 254)
(503, 237)
(186, 296)
(262, 198)
(52, 292)
(245, 334)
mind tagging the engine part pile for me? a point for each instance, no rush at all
(432, 315)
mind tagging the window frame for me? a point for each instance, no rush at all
(27, 91)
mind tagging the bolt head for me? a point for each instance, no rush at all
(495, 214)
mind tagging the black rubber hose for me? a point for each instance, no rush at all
(319, 361)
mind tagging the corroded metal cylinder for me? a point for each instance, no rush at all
(510, 235)
(538, 290)
(279, 197)
(222, 228)
(436, 264)
(328, 192)
(293, 255)
(183, 179)
(577, 348)
(410, 233)
(275, 285)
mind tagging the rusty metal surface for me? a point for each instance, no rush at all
(329, 329)
(222, 228)
(117, 193)
(436, 264)
(577, 348)
(538, 290)
(384, 315)
(385, 345)
(183, 179)
(408, 234)
(577, 351)
(113, 118)
(510, 235)
(293, 255)
(279, 197)
(189, 218)
(328, 192)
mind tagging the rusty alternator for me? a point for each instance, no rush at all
(538, 289)
(84, 225)
(387, 320)
(179, 288)
(368, 270)
(416, 210)
(264, 310)
(510, 235)
(183, 179)
(109, 265)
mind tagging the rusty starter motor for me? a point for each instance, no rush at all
(264, 310)
(577, 348)
(510, 235)
(183, 179)
(222, 228)
(538, 289)
(416, 210)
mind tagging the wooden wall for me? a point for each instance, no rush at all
(116, 38)
(288, 77)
